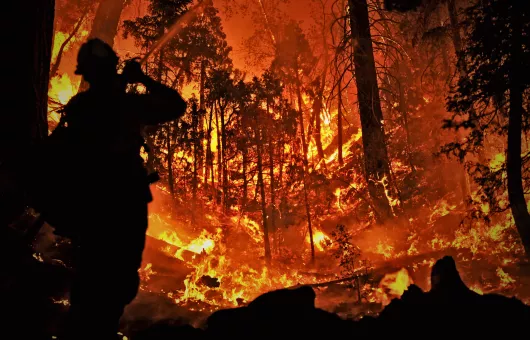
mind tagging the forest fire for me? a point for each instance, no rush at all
(338, 156)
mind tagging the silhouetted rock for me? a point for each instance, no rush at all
(451, 307)
(285, 312)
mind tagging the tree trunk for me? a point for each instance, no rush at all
(272, 187)
(224, 160)
(24, 93)
(201, 168)
(317, 108)
(305, 166)
(202, 108)
(320, 95)
(376, 161)
(219, 151)
(261, 184)
(105, 25)
(208, 147)
(301, 119)
(194, 137)
(245, 181)
(308, 215)
(455, 27)
(457, 44)
(514, 161)
(404, 115)
(339, 125)
(169, 159)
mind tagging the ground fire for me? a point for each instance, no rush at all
(374, 151)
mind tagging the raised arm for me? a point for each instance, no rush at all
(161, 104)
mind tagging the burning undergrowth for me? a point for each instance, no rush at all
(355, 271)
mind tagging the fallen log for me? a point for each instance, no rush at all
(380, 269)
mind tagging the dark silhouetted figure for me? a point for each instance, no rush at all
(105, 210)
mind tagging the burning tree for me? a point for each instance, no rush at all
(490, 101)
(377, 167)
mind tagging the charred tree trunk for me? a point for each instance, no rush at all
(339, 125)
(223, 159)
(308, 214)
(317, 108)
(105, 25)
(169, 159)
(261, 184)
(219, 151)
(305, 166)
(194, 137)
(320, 95)
(272, 187)
(457, 44)
(514, 161)
(245, 181)
(25, 76)
(212, 173)
(301, 119)
(376, 162)
(455, 30)
(404, 115)
(200, 154)
(209, 154)
(203, 108)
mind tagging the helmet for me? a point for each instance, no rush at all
(95, 52)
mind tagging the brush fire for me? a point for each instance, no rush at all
(289, 170)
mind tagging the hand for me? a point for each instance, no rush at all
(132, 72)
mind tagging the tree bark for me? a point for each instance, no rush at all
(209, 154)
(376, 162)
(317, 108)
(26, 77)
(202, 106)
(457, 44)
(308, 215)
(339, 125)
(301, 118)
(272, 187)
(194, 131)
(219, 151)
(514, 161)
(169, 159)
(404, 115)
(261, 184)
(245, 181)
(223, 159)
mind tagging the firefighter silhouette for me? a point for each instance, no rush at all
(105, 190)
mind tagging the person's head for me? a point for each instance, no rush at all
(97, 62)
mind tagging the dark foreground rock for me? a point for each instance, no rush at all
(449, 309)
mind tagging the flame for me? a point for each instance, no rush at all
(320, 239)
(62, 88)
(392, 286)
